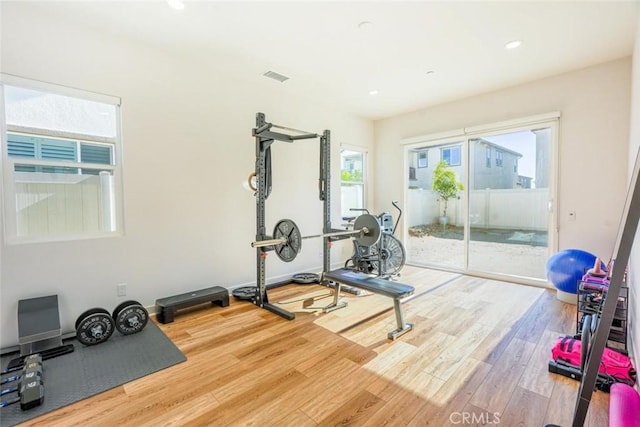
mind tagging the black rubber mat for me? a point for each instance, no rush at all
(91, 370)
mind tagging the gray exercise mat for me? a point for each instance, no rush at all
(92, 370)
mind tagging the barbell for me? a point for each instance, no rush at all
(287, 240)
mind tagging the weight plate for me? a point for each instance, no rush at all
(371, 223)
(246, 293)
(287, 229)
(89, 312)
(130, 317)
(94, 326)
(305, 278)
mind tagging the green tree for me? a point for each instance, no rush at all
(445, 184)
(355, 176)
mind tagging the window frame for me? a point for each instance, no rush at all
(499, 158)
(363, 182)
(7, 164)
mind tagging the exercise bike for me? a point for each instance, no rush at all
(387, 257)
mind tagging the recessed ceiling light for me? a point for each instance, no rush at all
(176, 4)
(430, 72)
(365, 25)
(373, 92)
(513, 44)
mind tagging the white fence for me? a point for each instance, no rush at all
(50, 204)
(521, 209)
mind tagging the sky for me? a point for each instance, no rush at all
(521, 142)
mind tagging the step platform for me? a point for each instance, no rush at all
(167, 307)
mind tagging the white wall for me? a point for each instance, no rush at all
(187, 151)
(593, 144)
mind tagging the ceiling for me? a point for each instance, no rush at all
(331, 57)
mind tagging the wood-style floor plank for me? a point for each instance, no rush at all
(479, 348)
(495, 392)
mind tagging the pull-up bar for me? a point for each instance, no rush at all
(264, 131)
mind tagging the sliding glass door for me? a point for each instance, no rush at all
(508, 203)
(481, 203)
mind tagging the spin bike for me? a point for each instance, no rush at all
(387, 257)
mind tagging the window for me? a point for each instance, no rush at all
(422, 159)
(61, 168)
(412, 174)
(499, 158)
(452, 155)
(488, 155)
(26, 146)
(352, 181)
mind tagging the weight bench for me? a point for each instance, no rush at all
(166, 307)
(374, 284)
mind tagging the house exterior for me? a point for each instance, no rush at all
(494, 166)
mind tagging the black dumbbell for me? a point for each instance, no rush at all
(28, 377)
(31, 370)
(32, 361)
(31, 394)
(30, 385)
(94, 326)
(130, 317)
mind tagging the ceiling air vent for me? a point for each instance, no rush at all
(275, 76)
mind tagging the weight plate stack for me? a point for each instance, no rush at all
(130, 317)
(245, 293)
(305, 278)
(94, 326)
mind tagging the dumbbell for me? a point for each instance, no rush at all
(31, 370)
(32, 362)
(30, 385)
(31, 394)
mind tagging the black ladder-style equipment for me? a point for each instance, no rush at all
(622, 250)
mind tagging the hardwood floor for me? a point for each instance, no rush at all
(477, 356)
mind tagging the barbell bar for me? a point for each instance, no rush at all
(271, 242)
(287, 240)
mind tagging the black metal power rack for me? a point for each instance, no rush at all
(264, 137)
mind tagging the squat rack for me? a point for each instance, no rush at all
(264, 137)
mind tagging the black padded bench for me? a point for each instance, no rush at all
(374, 284)
(166, 307)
